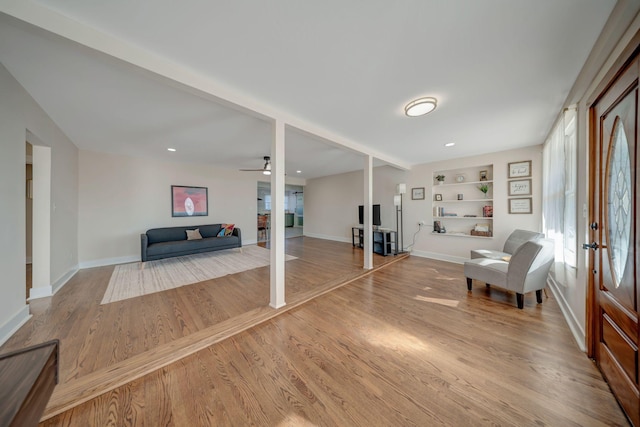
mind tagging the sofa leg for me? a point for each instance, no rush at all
(539, 296)
(520, 298)
(469, 283)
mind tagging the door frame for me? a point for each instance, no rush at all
(628, 54)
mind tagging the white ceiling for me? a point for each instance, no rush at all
(501, 70)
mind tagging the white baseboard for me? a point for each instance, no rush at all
(58, 284)
(326, 237)
(14, 323)
(40, 292)
(48, 291)
(109, 261)
(578, 333)
(440, 257)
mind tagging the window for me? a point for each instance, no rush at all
(559, 184)
(267, 202)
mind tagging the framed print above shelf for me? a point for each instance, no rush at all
(520, 169)
(520, 187)
(520, 206)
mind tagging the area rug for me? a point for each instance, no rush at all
(134, 279)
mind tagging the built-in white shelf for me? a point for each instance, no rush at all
(464, 201)
(464, 183)
(454, 234)
(452, 184)
(489, 218)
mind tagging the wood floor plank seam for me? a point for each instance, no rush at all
(73, 393)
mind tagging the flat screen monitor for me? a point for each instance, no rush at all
(376, 215)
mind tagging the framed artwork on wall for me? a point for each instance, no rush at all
(417, 193)
(520, 169)
(438, 197)
(520, 206)
(189, 201)
(520, 187)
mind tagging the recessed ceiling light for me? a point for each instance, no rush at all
(298, 171)
(171, 149)
(449, 144)
(420, 107)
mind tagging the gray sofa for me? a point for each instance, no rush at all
(158, 243)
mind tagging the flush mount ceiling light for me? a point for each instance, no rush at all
(171, 149)
(420, 107)
(449, 144)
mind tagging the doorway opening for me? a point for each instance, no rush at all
(29, 217)
(41, 210)
(293, 211)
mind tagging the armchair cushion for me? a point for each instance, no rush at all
(488, 253)
(513, 242)
(487, 270)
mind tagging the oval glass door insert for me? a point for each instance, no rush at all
(619, 202)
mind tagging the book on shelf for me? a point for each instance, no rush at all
(438, 211)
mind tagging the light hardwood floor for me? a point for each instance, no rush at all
(406, 345)
(103, 346)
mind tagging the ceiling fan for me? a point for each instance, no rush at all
(266, 170)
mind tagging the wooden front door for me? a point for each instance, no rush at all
(614, 237)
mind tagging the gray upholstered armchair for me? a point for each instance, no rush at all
(515, 239)
(526, 271)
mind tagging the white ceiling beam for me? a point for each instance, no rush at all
(78, 32)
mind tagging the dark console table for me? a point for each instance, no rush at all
(385, 241)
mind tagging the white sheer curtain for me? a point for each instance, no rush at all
(559, 188)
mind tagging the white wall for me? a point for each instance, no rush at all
(457, 249)
(331, 203)
(122, 197)
(19, 113)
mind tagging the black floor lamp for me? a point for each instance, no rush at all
(397, 201)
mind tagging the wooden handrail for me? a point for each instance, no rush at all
(27, 379)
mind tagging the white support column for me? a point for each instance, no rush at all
(277, 216)
(42, 207)
(368, 217)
